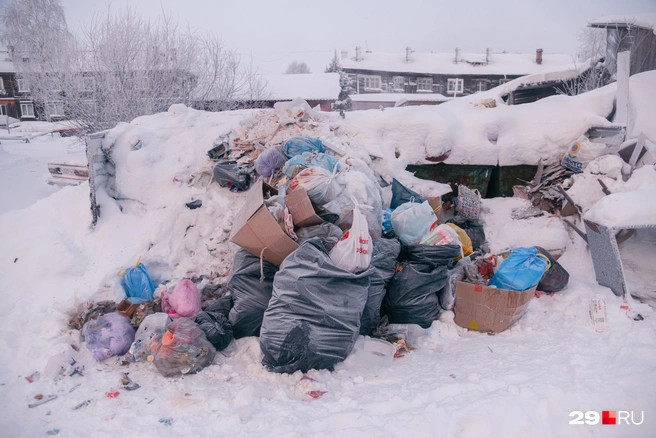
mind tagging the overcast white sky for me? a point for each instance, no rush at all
(275, 33)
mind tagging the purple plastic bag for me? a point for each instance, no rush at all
(269, 161)
(109, 335)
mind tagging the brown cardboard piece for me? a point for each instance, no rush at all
(489, 309)
(256, 230)
(301, 208)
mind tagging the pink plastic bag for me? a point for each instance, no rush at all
(184, 301)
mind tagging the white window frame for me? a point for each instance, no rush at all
(23, 85)
(455, 85)
(55, 104)
(27, 104)
(3, 109)
(425, 85)
(370, 83)
(481, 86)
(2, 84)
(396, 81)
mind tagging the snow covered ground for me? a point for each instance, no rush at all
(522, 382)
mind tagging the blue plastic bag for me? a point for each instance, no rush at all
(306, 160)
(522, 270)
(388, 229)
(269, 161)
(137, 283)
(297, 145)
(412, 220)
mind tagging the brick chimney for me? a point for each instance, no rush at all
(408, 51)
(487, 55)
(457, 60)
(538, 56)
(357, 53)
(10, 53)
(344, 54)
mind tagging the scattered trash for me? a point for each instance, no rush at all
(112, 394)
(128, 384)
(109, 335)
(182, 349)
(150, 327)
(81, 405)
(295, 334)
(311, 159)
(75, 387)
(316, 394)
(598, 314)
(194, 204)
(166, 421)
(38, 396)
(42, 401)
(184, 301)
(33, 377)
(555, 277)
(409, 332)
(52, 432)
(371, 352)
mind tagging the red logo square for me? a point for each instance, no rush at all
(608, 417)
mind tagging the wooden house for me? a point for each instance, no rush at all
(448, 74)
(634, 33)
(15, 98)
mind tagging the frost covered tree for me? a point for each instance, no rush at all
(334, 66)
(343, 102)
(295, 68)
(122, 66)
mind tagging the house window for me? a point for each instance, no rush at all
(87, 83)
(399, 83)
(481, 86)
(27, 109)
(2, 85)
(55, 109)
(3, 110)
(455, 85)
(90, 107)
(424, 84)
(23, 85)
(372, 82)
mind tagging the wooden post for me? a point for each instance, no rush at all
(623, 72)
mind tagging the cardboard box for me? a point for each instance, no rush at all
(255, 229)
(489, 309)
(301, 208)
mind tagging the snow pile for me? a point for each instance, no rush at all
(642, 107)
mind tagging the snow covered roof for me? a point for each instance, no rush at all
(6, 66)
(647, 21)
(312, 86)
(470, 63)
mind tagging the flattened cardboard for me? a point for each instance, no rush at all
(254, 229)
(488, 309)
(301, 208)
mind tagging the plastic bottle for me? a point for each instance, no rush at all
(410, 332)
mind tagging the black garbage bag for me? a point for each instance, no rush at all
(412, 294)
(401, 194)
(232, 174)
(313, 318)
(214, 322)
(250, 296)
(327, 232)
(555, 278)
(383, 260)
(473, 229)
